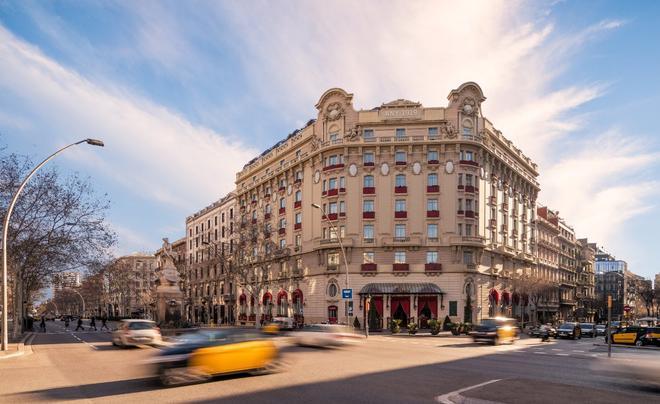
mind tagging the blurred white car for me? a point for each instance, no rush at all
(325, 335)
(136, 332)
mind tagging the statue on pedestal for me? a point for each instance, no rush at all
(168, 293)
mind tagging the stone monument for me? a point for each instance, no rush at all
(169, 297)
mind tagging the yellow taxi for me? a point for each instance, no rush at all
(496, 330)
(629, 335)
(201, 355)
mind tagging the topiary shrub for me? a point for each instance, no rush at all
(356, 323)
(434, 325)
(412, 328)
(395, 326)
(447, 325)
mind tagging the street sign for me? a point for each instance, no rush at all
(347, 293)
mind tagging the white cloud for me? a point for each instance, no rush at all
(150, 150)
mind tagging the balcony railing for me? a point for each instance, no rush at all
(401, 214)
(297, 226)
(401, 190)
(400, 267)
(333, 166)
(432, 213)
(369, 267)
(266, 216)
(368, 215)
(297, 204)
(469, 213)
(331, 216)
(333, 192)
(281, 231)
(400, 163)
(433, 267)
(368, 190)
(433, 162)
(433, 188)
(470, 188)
(368, 164)
(282, 211)
(469, 163)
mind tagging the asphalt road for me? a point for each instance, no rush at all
(84, 366)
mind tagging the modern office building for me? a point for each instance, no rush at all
(610, 281)
(434, 208)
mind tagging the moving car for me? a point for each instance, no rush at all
(325, 335)
(136, 332)
(536, 331)
(588, 329)
(600, 329)
(651, 336)
(284, 323)
(569, 330)
(629, 335)
(496, 330)
(200, 355)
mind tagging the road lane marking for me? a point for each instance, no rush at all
(555, 349)
(576, 350)
(447, 398)
(540, 353)
(561, 354)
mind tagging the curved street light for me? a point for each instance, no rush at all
(5, 229)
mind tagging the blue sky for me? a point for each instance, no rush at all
(185, 93)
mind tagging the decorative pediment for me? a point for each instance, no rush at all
(401, 103)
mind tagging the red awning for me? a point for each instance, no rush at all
(297, 296)
(282, 295)
(267, 298)
(506, 298)
(494, 296)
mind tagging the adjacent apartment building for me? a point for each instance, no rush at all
(434, 207)
(210, 293)
(130, 281)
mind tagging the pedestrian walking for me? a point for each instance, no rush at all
(104, 321)
(80, 324)
(92, 324)
(43, 324)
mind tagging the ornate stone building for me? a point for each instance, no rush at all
(585, 289)
(434, 207)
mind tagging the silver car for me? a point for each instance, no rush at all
(136, 332)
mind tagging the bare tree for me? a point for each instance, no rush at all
(647, 294)
(57, 225)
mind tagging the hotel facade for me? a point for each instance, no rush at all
(434, 207)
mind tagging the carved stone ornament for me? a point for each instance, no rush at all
(448, 130)
(352, 170)
(417, 168)
(334, 111)
(289, 190)
(352, 134)
(469, 107)
(449, 167)
(316, 142)
(317, 176)
(384, 169)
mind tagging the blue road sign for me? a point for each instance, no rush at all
(347, 293)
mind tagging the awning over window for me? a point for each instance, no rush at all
(401, 289)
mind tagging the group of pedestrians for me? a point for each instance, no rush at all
(79, 326)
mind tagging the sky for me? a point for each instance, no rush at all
(185, 93)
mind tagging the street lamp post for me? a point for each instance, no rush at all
(341, 246)
(5, 230)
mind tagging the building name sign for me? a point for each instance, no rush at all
(401, 113)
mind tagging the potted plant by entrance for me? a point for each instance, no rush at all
(395, 326)
(455, 329)
(467, 327)
(412, 328)
(434, 325)
(446, 325)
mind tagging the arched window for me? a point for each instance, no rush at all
(298, 196)
(282, 304)
(297, 301)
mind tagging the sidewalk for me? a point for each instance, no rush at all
(15, 349)
(650, 347)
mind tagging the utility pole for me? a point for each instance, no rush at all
(609, 322)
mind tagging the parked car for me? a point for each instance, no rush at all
(628, 335)
(200, 355)
(569, 330)
(651, 336)
(496, 330)
(588, 330)
(600, 329)
(136, 332)
(325, 335)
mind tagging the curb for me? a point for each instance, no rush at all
(651, 348)
(21, 347)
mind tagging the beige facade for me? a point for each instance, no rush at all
(585, 289)
(210, 296)
(130, 282)
(434, 206)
